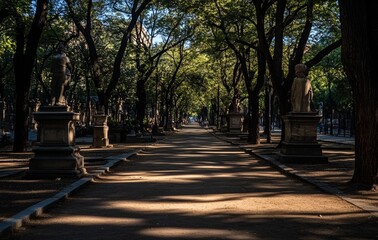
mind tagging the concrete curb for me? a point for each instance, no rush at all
(17, 220)
(307, 179)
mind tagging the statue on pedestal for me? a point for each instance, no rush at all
(301, 90)
(300, 144)
(61, 75)
(56, 154)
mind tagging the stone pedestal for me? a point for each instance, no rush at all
(223, 123)
(235, 123)
(301, 145)
(100, 132)
(56, 155)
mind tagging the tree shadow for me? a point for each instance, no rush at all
(195, 187)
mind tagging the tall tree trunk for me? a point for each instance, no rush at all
(141, 103)
(284, 107)
(170, 112)
(254, 128)
(22, 113)
(166, 112)
(24, 59)
(359, 28)
(268, 112)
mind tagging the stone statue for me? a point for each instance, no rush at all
(61, 75)
(301, 90)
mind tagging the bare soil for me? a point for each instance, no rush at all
(193, 186)
(18, 193)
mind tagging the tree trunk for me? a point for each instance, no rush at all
(284, 107)
(254, 129)
(168, 126)
(88, 101)
(21, 120)
(24, 60)
(141, 103)
(359, 26)
(268, 113)
(166, 112)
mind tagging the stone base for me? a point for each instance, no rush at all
(56, 161)
(309, 152)
(56, 156)
(300, 145)
(234, 123)
(100, 137)
(234, 134)
(100, 132)
(302, 159)
(301, 148)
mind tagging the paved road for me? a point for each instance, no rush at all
(192, 186)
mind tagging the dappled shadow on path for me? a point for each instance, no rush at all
(194, 187)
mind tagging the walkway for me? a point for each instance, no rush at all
(194, 186)
(337, 139)
(332, 177)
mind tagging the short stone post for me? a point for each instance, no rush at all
(235, 123)
(100, 131)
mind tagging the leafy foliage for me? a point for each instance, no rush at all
(208, 62)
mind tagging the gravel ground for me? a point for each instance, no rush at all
(194, 186)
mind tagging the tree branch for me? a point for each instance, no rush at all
(299, 51)
(324, 52)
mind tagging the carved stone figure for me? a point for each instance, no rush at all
(61, 75)
(301, 90)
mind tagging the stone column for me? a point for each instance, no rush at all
(56, 155)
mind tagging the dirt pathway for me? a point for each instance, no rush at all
(193, 186)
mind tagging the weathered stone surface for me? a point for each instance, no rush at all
(301, 127)
(235, 122)
(53, 161)
(301, 145)
(100, 132)
(56, 155)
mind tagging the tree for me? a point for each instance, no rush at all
(177, 56)
(332, 92)
(134, 9)
(236, 34)
(286, 15)
(23, 61)
(225, 72)
(359, 26)
(172, 29)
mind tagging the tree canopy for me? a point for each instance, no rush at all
(164, 60)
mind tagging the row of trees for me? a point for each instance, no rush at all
(176, 56)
